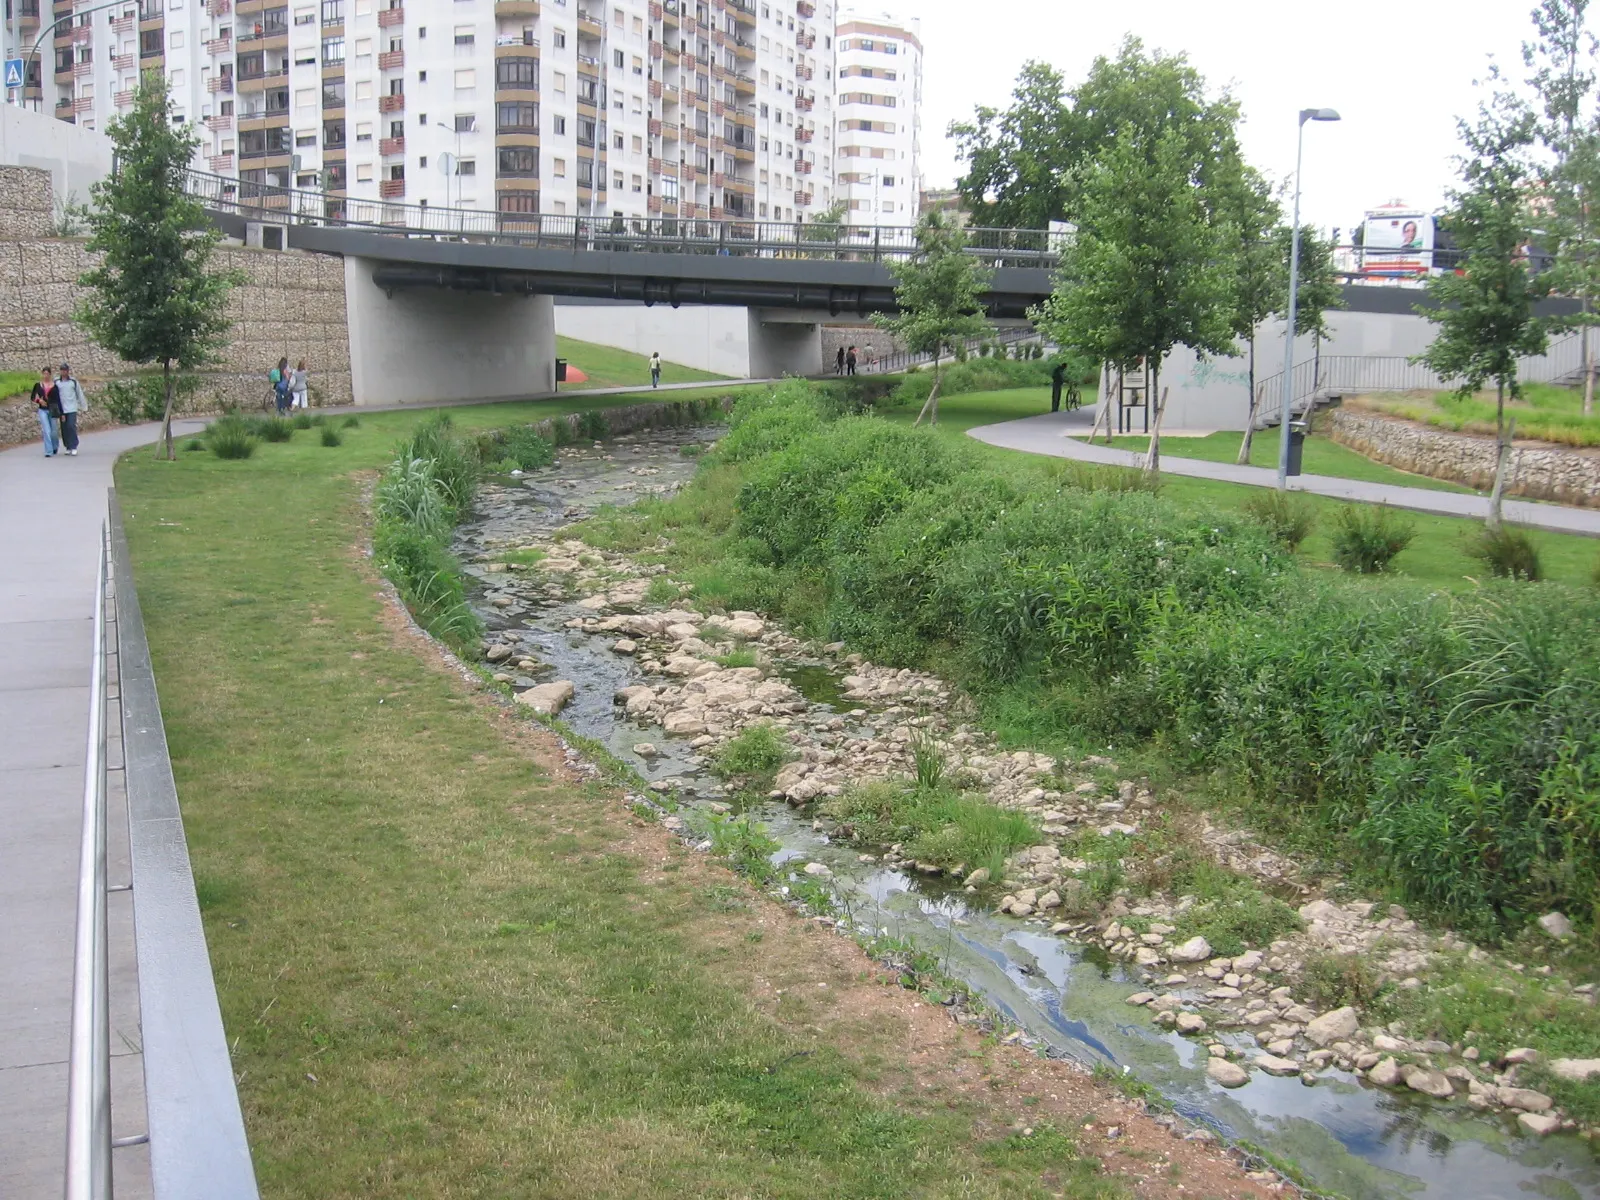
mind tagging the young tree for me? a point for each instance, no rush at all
(1485, 314)
(939, 290)
(1259, 271)
(1149, 267)
(153, 295)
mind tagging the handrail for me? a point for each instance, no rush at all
(88, 1174)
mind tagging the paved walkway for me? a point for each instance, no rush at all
(50, 516)
(1060, 435)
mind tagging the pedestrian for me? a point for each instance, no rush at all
(870, 357)
(655, 368)
(281, 382)
(73, 402)
(850, 361)
(47, 405)
(1058, 378)
(838, 362)
(299, 384)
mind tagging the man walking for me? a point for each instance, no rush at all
(47, 405)
(655, 368)
(73, 402)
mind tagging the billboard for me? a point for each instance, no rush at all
(1396, 245)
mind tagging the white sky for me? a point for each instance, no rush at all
(1399, 75)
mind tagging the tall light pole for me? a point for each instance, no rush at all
(456, 166)
(1306, 114)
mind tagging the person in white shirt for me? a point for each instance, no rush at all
(299, 384)
(73, 402)
(655, 369)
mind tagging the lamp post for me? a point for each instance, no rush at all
(1306, 114)
(456, 166)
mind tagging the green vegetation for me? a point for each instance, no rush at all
(937, 825)
(272, 429)
(230, 436)
(1366, 538)
(1438, 742)
(754, 755)
(445, 972)
(135, 398)
(1288, 518)
(1543, 413)
(1508, 552)
(17, 383)
(607, 367)
(981, 374)
(330, 436)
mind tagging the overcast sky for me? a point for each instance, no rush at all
(1399, 75)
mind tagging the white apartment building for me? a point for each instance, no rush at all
(630, 108)
(879, 144)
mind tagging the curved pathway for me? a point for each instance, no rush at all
(51, 511)
(1060, 436)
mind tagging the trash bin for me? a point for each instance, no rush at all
(1297, 445)
(561, 371)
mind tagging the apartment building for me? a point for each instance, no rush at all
(878, 170)
(616, 108)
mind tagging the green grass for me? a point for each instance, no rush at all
(1544, 413)
(608, 367)
(1438, 555)
(937, 825)
(446, 973)
(17, 383)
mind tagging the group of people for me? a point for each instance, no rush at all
(289, 387)
(58, 401)
(844, 363)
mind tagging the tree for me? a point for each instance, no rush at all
(1485, 313)
(1259, 271)
(1148, 268)
(939, 291)
(153, 295)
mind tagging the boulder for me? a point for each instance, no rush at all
(1525, 1099)
(499, 653)
(1556, 925)
(683, 724)
(1575, 1070)
(1139, 998)
(646, 750)
(979, 877)
(1429, 1083)
(547, 698)
(1539, 1124)
(818, 870)
(1273, 1065)
(1191, 1023)
(625, 646)
(1229, 1075)
(1522, 1054)
(1196, 949)
(1332, 1026)
(1386, 1073)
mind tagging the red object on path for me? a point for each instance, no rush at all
(575, 376)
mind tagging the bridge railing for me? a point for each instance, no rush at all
(735, 236)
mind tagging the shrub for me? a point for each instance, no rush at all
(1288, 518)
(122, 400)
(143, 397)
(194, 444)
(350, 422)
(978, 374)
(519, 445)
(1099, 477)
(454, 465)
(331, 436)
(1335, 980)
(939, 826)
(927, 760)
(229, 436)
(1367, 537)
(274, 429)
(593, 425)
(302, 419)
(1508, 552)
(758, 750)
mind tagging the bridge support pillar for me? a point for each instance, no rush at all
(420, 345)
(784, 344)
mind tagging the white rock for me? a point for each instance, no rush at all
(1385, 1074)
(646, 750)
(498, 653)
(1525, 1099)
(1196, 949)
(683, 724)
(1556, 925)
(1191, 1023)
(1229, 1075)
(1539, 1124)
(625, 646)
(1389, 1045)
(1431, 1083)
(1273, 1065)
(818, 870)
(1575, 1070)
(1139, 998)
(1522, 1054)
(547, 698)
(1332, 1026)
(593, 603)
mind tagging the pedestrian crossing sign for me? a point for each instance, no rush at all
(13, 72)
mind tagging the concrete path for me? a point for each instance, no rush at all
(1060, 436)
(51, 510)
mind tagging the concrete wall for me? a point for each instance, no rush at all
(783, 347)
(74, 156)
(423, 344)
(699, 336)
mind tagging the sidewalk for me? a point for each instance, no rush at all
(51, 510)
(1059, 435)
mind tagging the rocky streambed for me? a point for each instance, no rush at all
(617, 648)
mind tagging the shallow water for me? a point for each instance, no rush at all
(1349, 1138)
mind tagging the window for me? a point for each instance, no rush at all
(333, 12)
(588, 90)
(363, 131)
(149, 47)
(558, 126)
(336, 176)
(518, 73)
(306, 57)
(638, 183)
(332, 52)
(305, 97)
(560, 39)
(616, 181)
(669, 188)
(277, 100)
(586, 131)
(888, 181)
(586, 172)
(254, 143)
(517, 116)
(466, 79)
(363, 172)
(466, 35)
(518, 162)
(251, 66)
(305, 16)
(176, 39)
(638, 65)
(363, 47)
(616, 141)
(466, 122)
(638, 144)
(333, 134)
(559, 166)
(333, 93)
(561, 83)
(618, 59)
(519, 202)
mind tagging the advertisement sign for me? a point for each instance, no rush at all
(1397, 245)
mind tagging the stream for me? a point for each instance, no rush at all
(1347, 1137)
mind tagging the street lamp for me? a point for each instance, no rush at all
(1306, 114)
(456, 166)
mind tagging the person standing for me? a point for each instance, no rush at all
(1058, 379)
(280, 385)
(850, 361)
(838, 362)
(47, 405)
(299, 385)
(655, 368)
(73, 402)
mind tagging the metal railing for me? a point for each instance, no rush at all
(888, 364)
(88, 1175)
(741, 237)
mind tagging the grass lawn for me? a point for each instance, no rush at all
(449, 970)
(1436, 555)
(17, 383)
(1545, 412)
(607, 367)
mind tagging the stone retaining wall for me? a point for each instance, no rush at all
(290, 305)
(1538, 471)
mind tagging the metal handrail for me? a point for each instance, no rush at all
(88, 1174)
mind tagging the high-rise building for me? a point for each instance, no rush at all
(878, 149)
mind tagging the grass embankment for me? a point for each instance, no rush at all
(1437, 554)
(447, 971)
(1442, 746)
(606, 366)
(1544, 413)
(16, 383)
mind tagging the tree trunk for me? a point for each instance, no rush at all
(1588, 368)
(1104, 397)
(1255, 404)
(1152, 458)
(930, 407)
(166, 411)
(1502, 457)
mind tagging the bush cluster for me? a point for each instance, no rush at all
(144, 397)
(1449, 744)
(980, 374)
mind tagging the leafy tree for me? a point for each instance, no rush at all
(1149, 266)
(153, 295)
(939, 290)
(1259, 271)
(1485, 314)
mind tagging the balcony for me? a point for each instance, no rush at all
(744, 83)
(804, 40)
(801, 71)
(254, 34)
(220, 124)
(655, 89)
(392, 189)
(805, 9)
(744, 51)
(392, 104)
(392, 60)
(517, 8)
(123, 99)
(221, 164)
(219, 8)
(64, 104)
(82, 35)
(804, 135)
(124, 62)
(123, 26)
(804, 103)
(220, 45)
(802, 167)
(391, 145)
(744, 13)
(590, 25)
(83, 104)
(801, 197)
(82, 69)
(220, 83)
(390, 17)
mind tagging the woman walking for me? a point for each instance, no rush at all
(47, 405)
(280, 385)
(299, 385)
